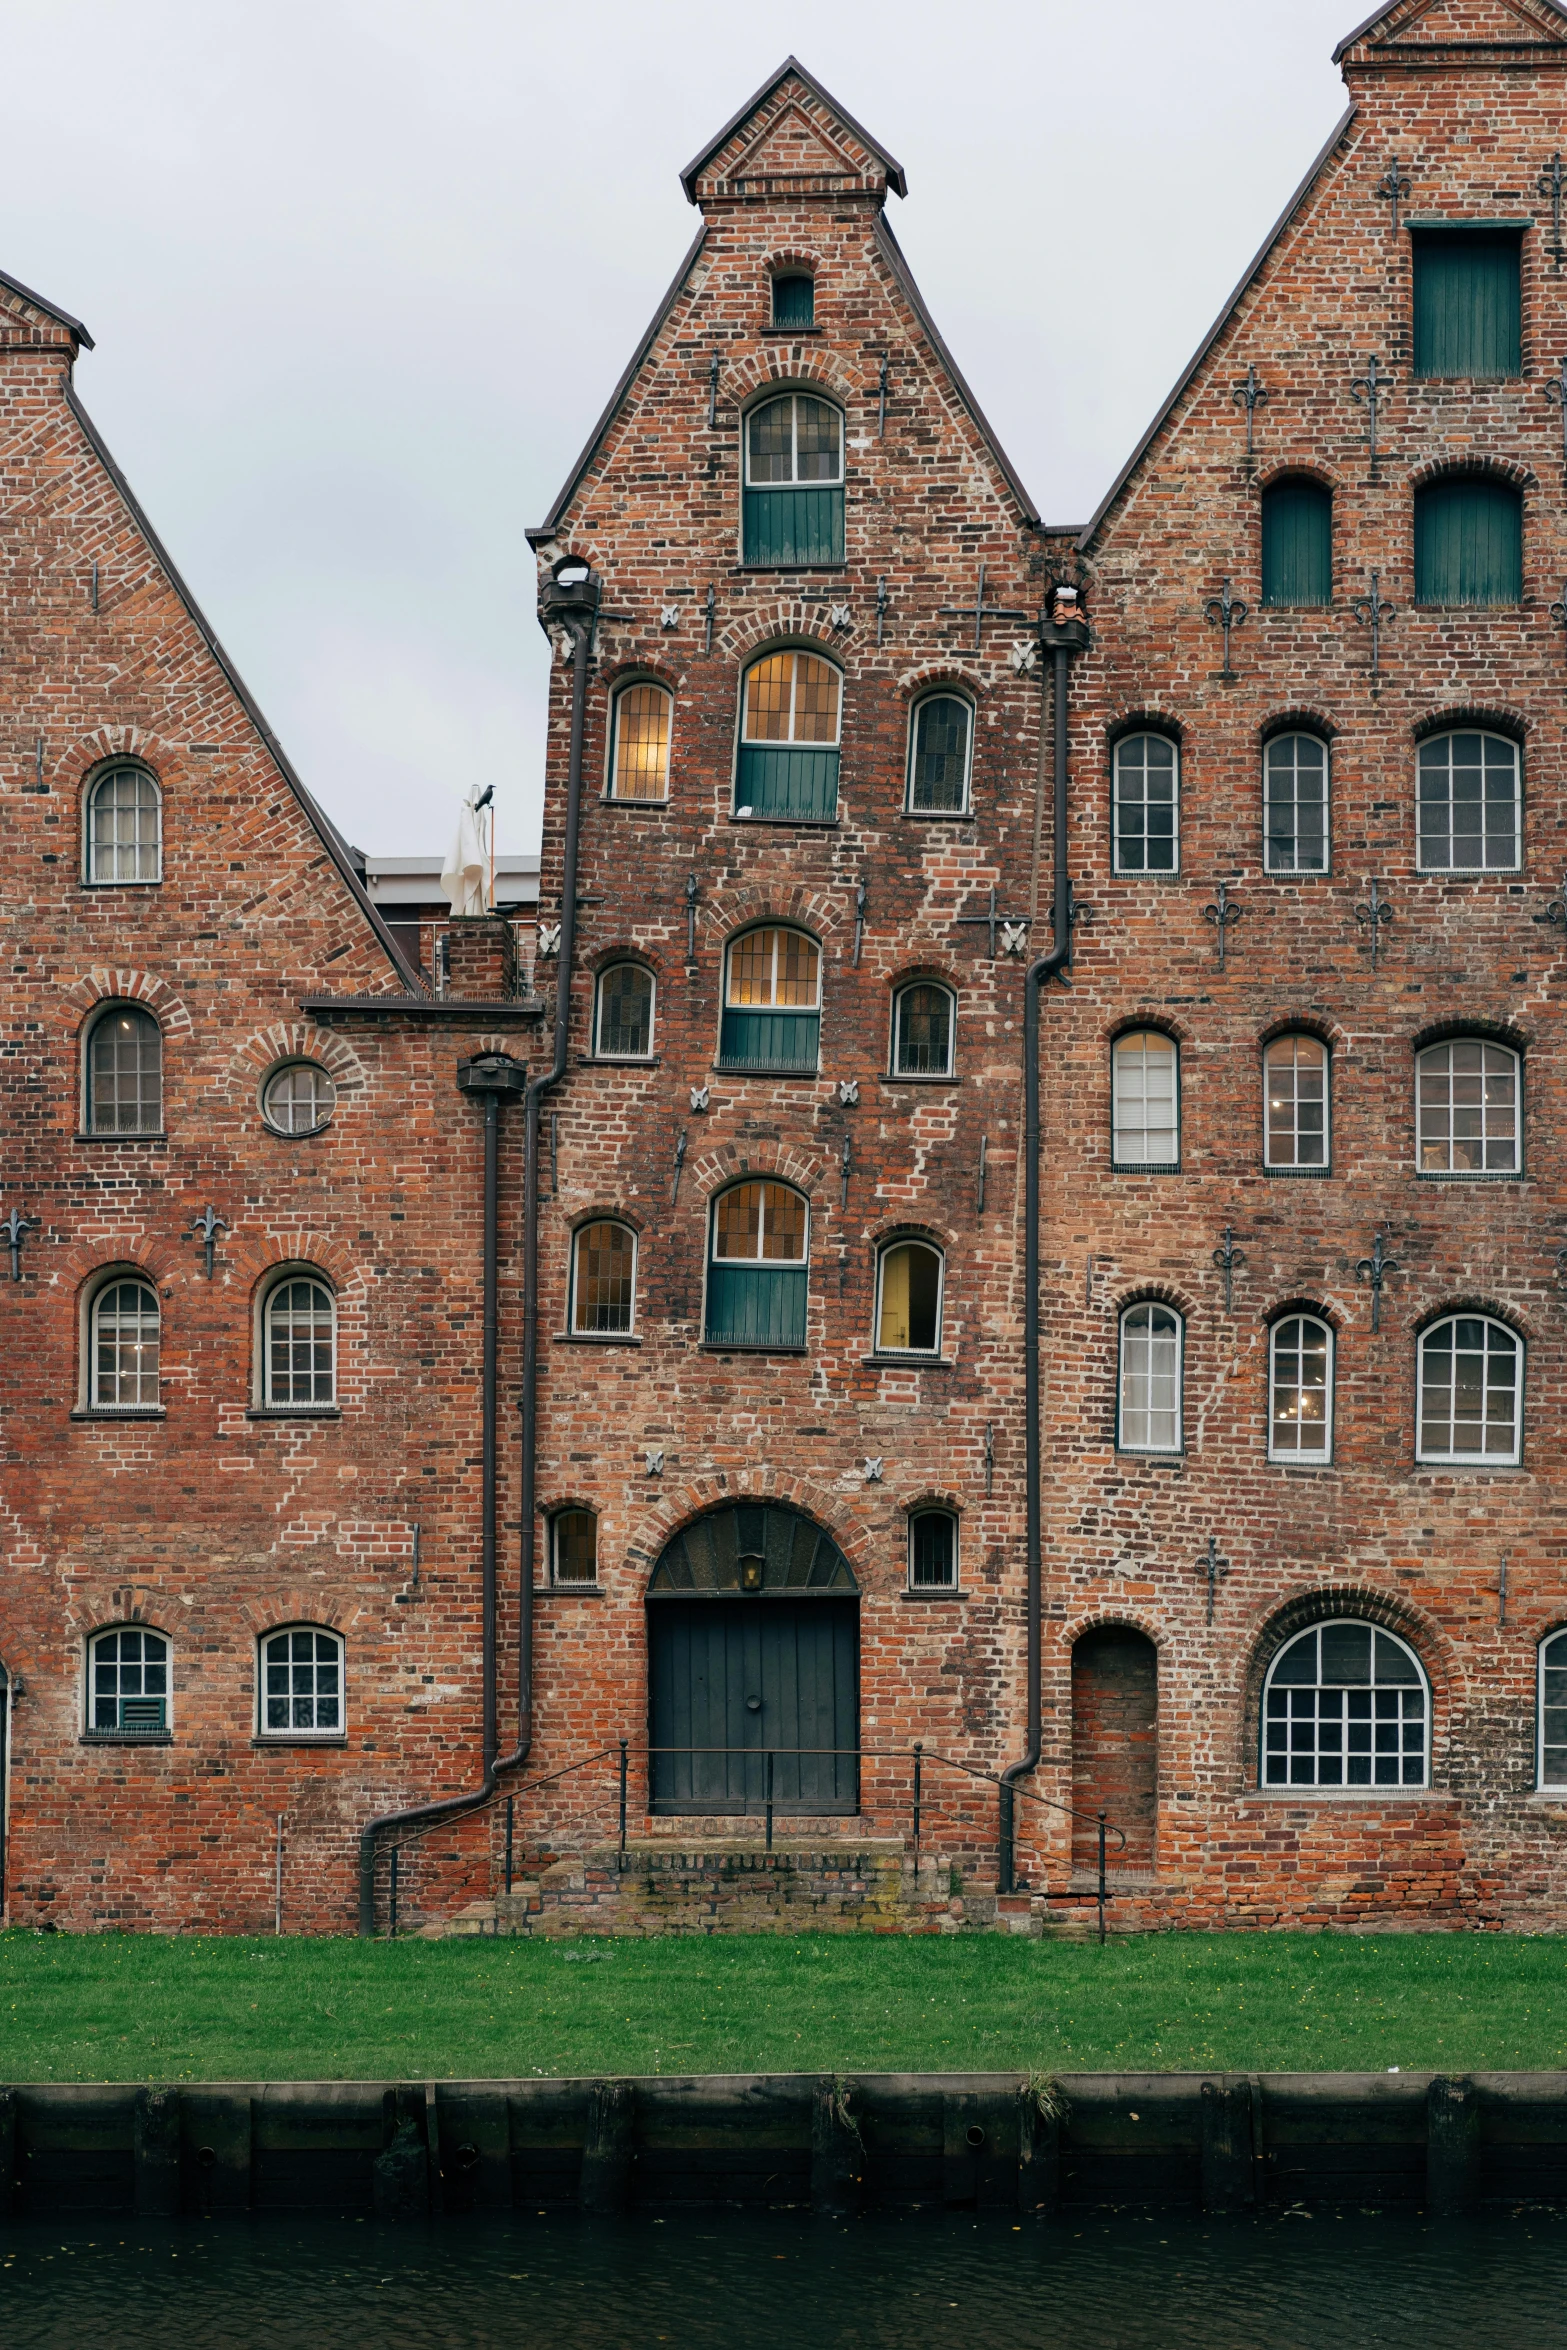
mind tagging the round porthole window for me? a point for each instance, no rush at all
(298, 1099)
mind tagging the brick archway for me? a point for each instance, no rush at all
(1115, 1743)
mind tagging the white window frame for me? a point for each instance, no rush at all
(1293, 1036)
(941, 693)
(612, 791)
(924, 1076)
(1543, 1785)
(122, 1277)
(1448, 734)
(575, 1326)
(273, 1290)
(1450, 1173)
(289, 1735)
(779, 930)
(935, 1509)
(601, 1051)
(790, 741)
(910, 1354)
(794, 395)
(91, 877)
(777, 1183)
(1296, 1457)
(1169, 1166)
(89, 1690)
(114, 1008)
(1144, 872)
(1470, 1460)
(1369, 1791)
(1295, 734)
(1167, 1452)
(284, 1069)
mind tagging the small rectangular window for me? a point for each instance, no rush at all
(1468, 304)
(933, 1551)
(794, 300)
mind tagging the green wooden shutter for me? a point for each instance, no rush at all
(786, 1041)
(788, 779)
(794, 301)
(794, 525)
(1297, 544)
(1468, 315)
(755, 1305)
(1468, 543)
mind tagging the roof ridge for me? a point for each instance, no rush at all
(49, 309)
(1388, 7)
(791, 65)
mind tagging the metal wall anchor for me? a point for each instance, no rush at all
(862, 898)
(881, 607)
(1249, 394)
(1369, 388)
(990, 1454)
(1227, 1258)
(1376, 914)
(980, 611)
(14, 1233)
(1549, 184)
(1556, 910)
(1211, 1565)
(1224, 917)
(1374, 614)
(680, 1160)
(1226, 611)
(1393, 184)
(209, 1224)
(1376, 1269)
(709, 608)
(845, 1160)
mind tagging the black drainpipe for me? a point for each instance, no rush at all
(574, 601)
(1064, 638)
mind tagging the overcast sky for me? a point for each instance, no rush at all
(363, 272)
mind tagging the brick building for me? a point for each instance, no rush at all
(1035, 1235)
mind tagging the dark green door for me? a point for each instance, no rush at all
(734, 1679)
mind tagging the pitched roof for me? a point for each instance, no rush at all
(14, 285)
(1391, 7)
(792, 66)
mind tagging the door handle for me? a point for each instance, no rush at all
(753, 1705)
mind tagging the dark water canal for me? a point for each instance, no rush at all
(1113, 2283)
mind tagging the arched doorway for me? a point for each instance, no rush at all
(1115, 1743)
(5, 1775)
(753, 1650)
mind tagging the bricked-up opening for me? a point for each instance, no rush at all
(1115, 1743)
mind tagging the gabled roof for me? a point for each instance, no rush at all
(792, 68)
(1391, 8)
(14, 285)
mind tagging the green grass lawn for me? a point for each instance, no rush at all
(139, 2007)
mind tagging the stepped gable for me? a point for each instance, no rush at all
(1399, 35)
(791, 138)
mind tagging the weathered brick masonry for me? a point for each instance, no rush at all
(216, 1526)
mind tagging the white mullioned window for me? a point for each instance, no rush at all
(128, 1683)
(1551, 1769)
(1145, 1104)
(122, 1351)
(1345, 1706)
(1469, 1108)
(299, 1098)
(1295, 1104)
(603, 1279)
(1300, 1390)
(124, 827)
(1470, 1404)
(302, 1683)
(923, 1027)
(1295, 769)
(1147, 797)
(1470, 790)
(941, 730)
(639, 755)
(1148, 1417)
(625, 1013)
(299, 1344)
(796, 439)
(124, 1072)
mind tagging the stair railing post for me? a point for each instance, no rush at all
(510, 1810)
(919, 1760)
(622, 1803)
(391, 1915)
(769, 1799)
(1101, 1880)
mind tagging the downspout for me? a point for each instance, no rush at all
(1064, 635)
(495, 1076)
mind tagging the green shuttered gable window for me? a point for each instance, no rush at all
(772, 1003)
(1297, 544)
(793, 482)
(1467, 307)
(757, 1268)
(1469, 542)
(789, 728)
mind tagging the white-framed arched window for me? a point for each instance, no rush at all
(603, 1279)
(623, 1013)
(123, 1076)
(1469, 1108)
(791, 722)
(1295, 781)
(1146, 795)
(299, 1343)
(124, 1327)
(1300, 1390)
(1470, 786)
(924, 1030)
(1148, 1382)
(641, 723)
(910, 1278)
(1469, 1406)
(123, 828)
(772, 1015)
(302, 1683)
(129, 1683)
(758, 1254)
(933, 1550)
(1145, 1101)
(1345, 1706)
(793, 496)
(941, 745)
(1295, 1130)
(1551, 1736)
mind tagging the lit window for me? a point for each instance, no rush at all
(299, 1344)
(1468, 1108)
(772, 1002)
(1147, 800)
(933, 1551)
(639, 761)
(908, 1309)
(1553, 1712)
(125, 1073)
(1469, 791)
(123, 1347)
(922, 1031)
(625, 1013)
(128, 1674)
(1300, 1384)
(1150, 1382)
(939, 756)
(756, 1276)
(125, 827)
(1471, 1392)
(1295, 1102)
(1145, 1102)
(574, 1547)
(603, 1281)
(299, 1099)
(791, 715)
(1296, 767)
(302, 1684)
(1344, 1706)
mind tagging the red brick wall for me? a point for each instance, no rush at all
(1115, 1745)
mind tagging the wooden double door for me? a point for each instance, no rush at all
(734, 1680)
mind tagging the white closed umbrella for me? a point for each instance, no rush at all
(464, 873)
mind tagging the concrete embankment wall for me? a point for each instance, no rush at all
(1220, 2142)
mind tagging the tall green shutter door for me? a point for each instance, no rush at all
(1297, 544)
(1468, 543)
(1468, 313)
(731, 1679)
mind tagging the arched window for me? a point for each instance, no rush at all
(639, 744)
(1470, 1406)
(1300, 1390)
(1145, 1104)
(793, 510)
(298, 1098)
(122, 1354)
(1345, 1705)
(1296, 780)
(124, 827)
(1149, 1416)
(1470, 789)
(794, 299)
(302, 1694)
(908, 1298)
(1468, 541)
(128, 1683)
(1297, 543)
(790, 716)
(1469, 1108)
(574, 1547)
(1552, 1763)
(1468, 303)
(603, 1280)
(125, 1072)
(933, 1550)
(1295, 1105)
(625, 1013)
(299, 1344)
(923, 1027)
(756, 1271)
(772, 1002)
(940, 734)
(1147, 804)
